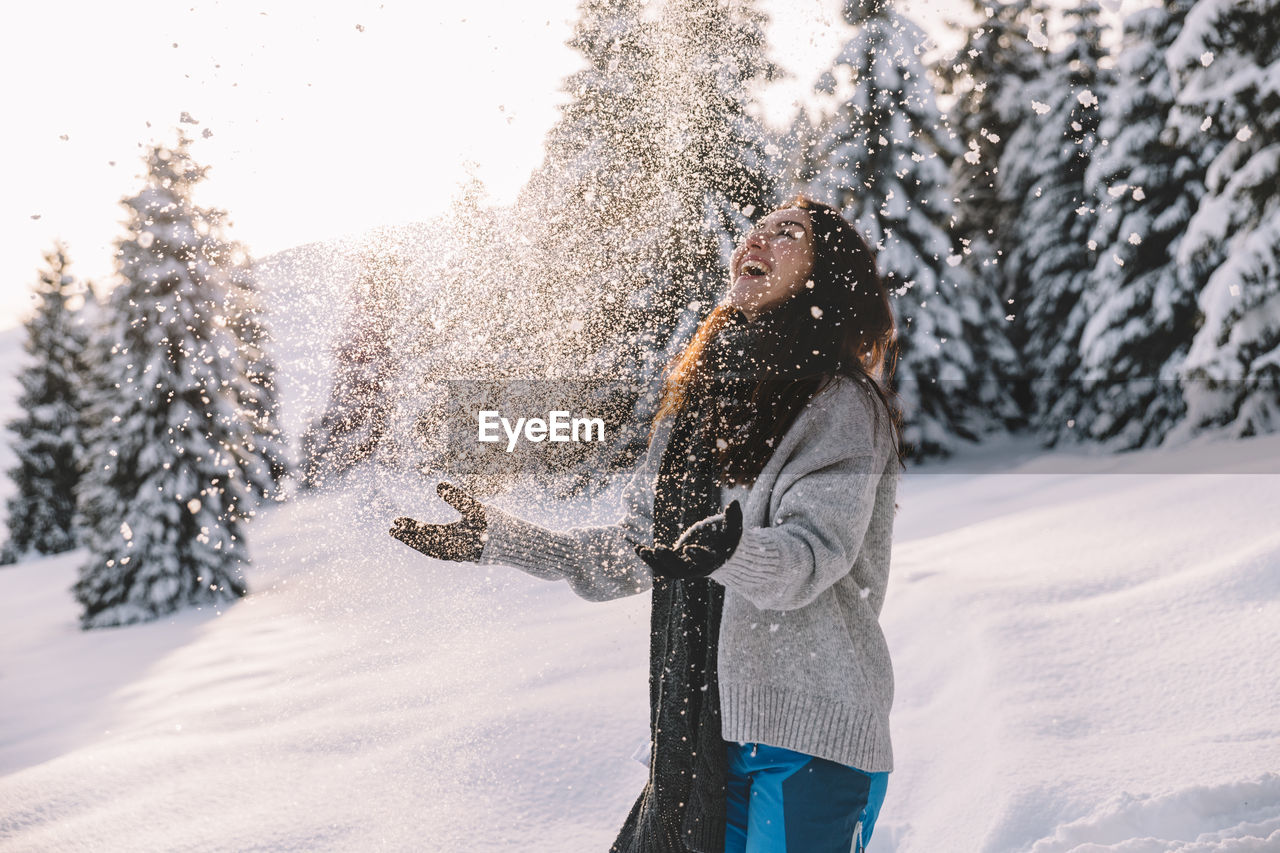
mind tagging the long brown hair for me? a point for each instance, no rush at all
(840, 325)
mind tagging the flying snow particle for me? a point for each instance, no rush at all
(194, 505)
(816, 312)
(954, 260)
(1206, 124)
(1243, 134)
(1206, 58)
(1138, 194)
(186, 118)
(359, 28)
(1036, 35)
(1135, 238)
(1040, 108)
(1087, 98)
(748, 210)
(126, 531)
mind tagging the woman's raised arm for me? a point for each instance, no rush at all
(600, 563)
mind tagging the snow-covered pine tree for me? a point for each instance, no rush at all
(799, 145)
(716, 168)
(366, 362)
(714, 155)
(1139, 304)
(658, 159)
(48, 434)
(884, 162)
(164, 492)
(1050, 259)
(256, 387)
(986, 78)
(1226, 62)
(596, 195)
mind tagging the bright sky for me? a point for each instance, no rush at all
(326, 119)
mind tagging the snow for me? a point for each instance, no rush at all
(1086, 655)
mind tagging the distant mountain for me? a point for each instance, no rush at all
(307, 291)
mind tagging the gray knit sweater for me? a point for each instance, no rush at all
(802, 661)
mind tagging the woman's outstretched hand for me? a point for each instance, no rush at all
(700, 550)
(461, 541)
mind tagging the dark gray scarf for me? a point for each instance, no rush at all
(682, 806)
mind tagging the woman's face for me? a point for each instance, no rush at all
(772, 263)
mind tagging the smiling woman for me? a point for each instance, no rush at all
(773, 262)
(772, 739)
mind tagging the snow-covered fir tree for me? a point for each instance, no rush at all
(714, 155)
(986, 79)
(1050, 259)
(884, 162)
(658, 160)
(1226, 62)
(597, 191)
(1140, 304)
(256, 386)
(47, 435)
(366, 361)
(799, 145)
(165, 490)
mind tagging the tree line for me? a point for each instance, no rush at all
(1080, 228)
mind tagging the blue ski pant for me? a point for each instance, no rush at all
(780, 800)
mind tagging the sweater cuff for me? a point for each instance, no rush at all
(753, 565)
(512, 541)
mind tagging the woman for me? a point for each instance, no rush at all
(769, 677)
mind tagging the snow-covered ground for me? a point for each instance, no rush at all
(1087, 659)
